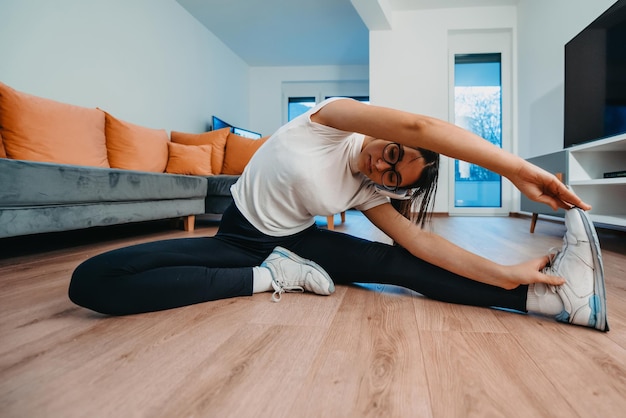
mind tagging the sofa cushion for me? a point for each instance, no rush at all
(134, 147)
(189, 159)
(217, 139)
(218, 196)
(239, 151)
(38, 129)
(28, 183)
(220, 185)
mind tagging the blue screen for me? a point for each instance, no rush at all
(219, 124)
(246, 133)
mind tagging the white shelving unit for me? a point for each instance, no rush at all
(586, 165)
(583, 168)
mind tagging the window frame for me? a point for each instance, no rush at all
(321, 90)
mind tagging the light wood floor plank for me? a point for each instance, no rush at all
(586, 369)
(370, 363)
(437, 316)
(258, 369)
(484, 374)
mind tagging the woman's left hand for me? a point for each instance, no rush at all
(541, 186)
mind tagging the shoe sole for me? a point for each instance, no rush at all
(599, 298)
(298, 259)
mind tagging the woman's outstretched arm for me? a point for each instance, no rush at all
(443, 253)
(448, 139)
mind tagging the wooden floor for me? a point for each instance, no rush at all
(364, 351)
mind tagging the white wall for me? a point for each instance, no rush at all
(409, 63)
(544, 27)
(266, 92)
(145, 61)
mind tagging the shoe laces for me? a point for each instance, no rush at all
(551, 267)
(277, 295)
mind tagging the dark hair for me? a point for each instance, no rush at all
(424, 191)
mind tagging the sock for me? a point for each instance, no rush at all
(261, 280)
(541, 299)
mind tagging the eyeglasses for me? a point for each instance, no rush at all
(392, 154)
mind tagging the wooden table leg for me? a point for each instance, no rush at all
(533, 222)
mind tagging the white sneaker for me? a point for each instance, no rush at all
(291, 273)
(580, 263)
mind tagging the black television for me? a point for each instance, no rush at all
(246, 133)
(220, 124)
(595, 79)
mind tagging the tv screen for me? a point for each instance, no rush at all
(246, 133)
(595, 79)
(219, 124)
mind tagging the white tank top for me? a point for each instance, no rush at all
(304, 170)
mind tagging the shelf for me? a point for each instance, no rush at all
(608, 220)
(614, 143)
(584, 167)
(587, 163)
(599, 182)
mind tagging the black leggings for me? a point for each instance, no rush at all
(178, 272)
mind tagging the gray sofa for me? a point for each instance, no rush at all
(218, 196)
(40, 197)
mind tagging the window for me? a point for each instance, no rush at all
(300, 96)
(478, 108)
(299, 105)
(364, 99)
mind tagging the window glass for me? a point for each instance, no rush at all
(364, 99)
(478, 108)
(299, 105)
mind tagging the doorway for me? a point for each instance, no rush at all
(480, 73)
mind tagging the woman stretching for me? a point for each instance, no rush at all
(344, 154)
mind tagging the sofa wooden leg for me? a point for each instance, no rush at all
(189, 223)
(343, 217)
(330, 220)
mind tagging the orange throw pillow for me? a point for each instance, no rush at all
(217, 139)
(3, 153)
(239, 151)
(189, 159)
(38, 129)
(134, 147)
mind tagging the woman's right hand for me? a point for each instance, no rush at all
(530, 272)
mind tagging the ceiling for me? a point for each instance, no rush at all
(303, 32)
